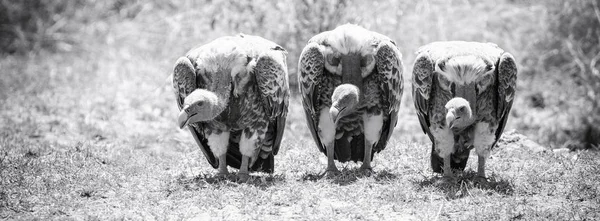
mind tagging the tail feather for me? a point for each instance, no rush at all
(264, 165)
(458, 162)
(234, 157)
(343, 149)
(350, 148)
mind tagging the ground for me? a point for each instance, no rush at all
(88, 131)
(71, 153)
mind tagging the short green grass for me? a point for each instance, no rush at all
(89, 133)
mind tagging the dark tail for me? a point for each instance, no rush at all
(264, 165)
(234, 159)
(350, 150)
(458, 162)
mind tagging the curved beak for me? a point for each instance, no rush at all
(334, 112)
(183, 118)
(450, 117)
(236, 92)
(186, 118)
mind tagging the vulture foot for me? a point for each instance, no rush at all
(366, 170)
(221, 174)
(243, 177)
(480, 180)
(332, 172)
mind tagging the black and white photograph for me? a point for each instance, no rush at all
(299, 110)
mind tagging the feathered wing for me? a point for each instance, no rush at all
(184, 80)
(311, 67)
(184, 83)
(422, 87)
(507, 83)
(389, 67)
(272, 81)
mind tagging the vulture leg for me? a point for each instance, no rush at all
(223, 165)
(481, 166)
(327, 134)
(243, 174)
(483, 141)
(372, 125)
(218, 143)
(447, 167)
(248, 148)
(332, 170)
(366, 166)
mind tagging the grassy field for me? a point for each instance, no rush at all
(88, 130)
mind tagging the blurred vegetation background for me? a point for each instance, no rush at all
(111, 59)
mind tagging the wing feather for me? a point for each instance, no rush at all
(184, 80)
(507, 83)
(389, 65)
(272, 80)
(390, 68)
(422, 87)
(311, 67)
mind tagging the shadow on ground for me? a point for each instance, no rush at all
(349, 176)
(461, 185)
(182, 183)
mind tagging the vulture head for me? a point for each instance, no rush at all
(200, 105)
(344, 100)
(459, 115)
(221, 71)
(212, 96)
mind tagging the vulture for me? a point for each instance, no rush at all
(463, 93)
(351, 86)
(233, 95)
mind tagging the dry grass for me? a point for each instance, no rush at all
(88, 131)
(164, 175)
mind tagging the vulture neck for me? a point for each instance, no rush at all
(213, 109)
(351, 73)
(469, 93)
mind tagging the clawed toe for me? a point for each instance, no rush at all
(448, 174)
(480, 180)
(448, 178)
(331, 173)
(368, 171)
(222, 175)
(243, 177)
